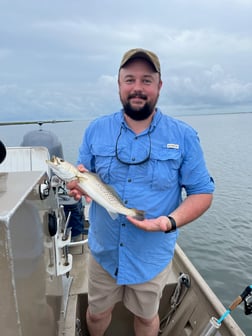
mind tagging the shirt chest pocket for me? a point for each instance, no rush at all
(166, 164)
(103, 158)
(106, 165)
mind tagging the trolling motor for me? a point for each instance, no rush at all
(214, 323)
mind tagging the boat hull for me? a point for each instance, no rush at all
(44, 288)
(189, 319)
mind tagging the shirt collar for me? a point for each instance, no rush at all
(156, 118)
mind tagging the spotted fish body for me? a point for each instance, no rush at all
(92, 185)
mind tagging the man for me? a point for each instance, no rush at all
(148, 158)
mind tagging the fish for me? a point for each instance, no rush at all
(91, 184)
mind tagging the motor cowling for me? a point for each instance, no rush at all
(44, 138)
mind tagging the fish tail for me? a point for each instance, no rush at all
(139, 214)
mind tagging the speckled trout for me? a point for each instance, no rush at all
(92, 185)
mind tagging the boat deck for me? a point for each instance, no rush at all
(189, 319)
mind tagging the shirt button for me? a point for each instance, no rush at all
(121, 244)
(133, 159)
(123, 224)
(125, 202)
(129, 180)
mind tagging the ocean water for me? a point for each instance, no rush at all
(219, 243)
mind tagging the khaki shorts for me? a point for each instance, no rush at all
(141, 299)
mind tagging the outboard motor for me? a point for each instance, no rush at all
(44, 138)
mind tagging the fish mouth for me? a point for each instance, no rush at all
(56, 160)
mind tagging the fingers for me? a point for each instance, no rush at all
(154, 224)
(72, 185)
(145, 224)
(74, 189)
(75, 194)
(87, 198)
(81, 168)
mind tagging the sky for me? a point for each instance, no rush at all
(59, 59)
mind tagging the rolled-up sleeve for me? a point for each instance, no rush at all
(194, 175)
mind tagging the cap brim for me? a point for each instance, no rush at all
(139, 54)
(2, 152)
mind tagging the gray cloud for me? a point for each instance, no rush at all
(59, 59)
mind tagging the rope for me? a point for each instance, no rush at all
(177, 297)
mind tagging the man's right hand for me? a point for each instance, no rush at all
(74, 190)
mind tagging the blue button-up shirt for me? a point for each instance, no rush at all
(172, 159)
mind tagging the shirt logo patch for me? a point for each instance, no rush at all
(174, 146)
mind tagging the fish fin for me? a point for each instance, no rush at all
(113, 215)
(140, 215)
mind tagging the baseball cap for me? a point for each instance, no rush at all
(141, 53)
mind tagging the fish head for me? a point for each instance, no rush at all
(63, 169)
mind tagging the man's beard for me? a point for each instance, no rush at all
(142, 113)
(138, 114)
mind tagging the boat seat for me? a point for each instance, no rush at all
(26, 159)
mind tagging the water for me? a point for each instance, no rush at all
(219, 243)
